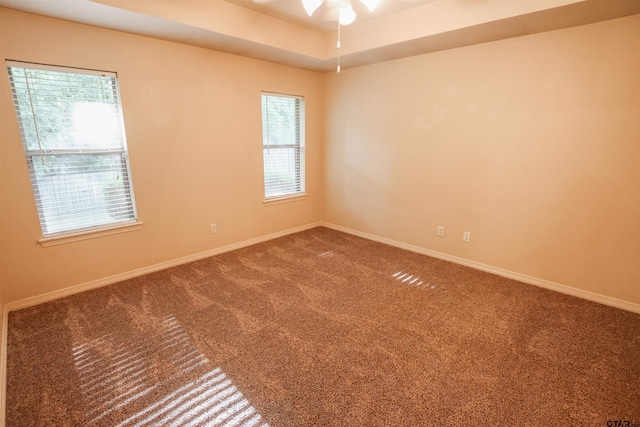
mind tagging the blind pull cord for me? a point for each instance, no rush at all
(27, 73)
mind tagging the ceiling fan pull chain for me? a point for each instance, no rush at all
(338, 46)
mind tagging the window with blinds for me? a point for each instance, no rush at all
(73, 137)
(283, 145)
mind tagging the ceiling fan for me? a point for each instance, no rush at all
(340, 10)
(333, 10)
(346, 14)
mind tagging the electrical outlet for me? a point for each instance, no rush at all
(213, 229)
(440, 230)
(466, 236)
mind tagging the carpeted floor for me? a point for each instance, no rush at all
(322, 328)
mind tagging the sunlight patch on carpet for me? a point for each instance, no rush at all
(326, 254)
(212, 399)
(114, 374)
(412, 279)
(409, 279)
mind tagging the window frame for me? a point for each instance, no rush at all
(299, 146)
(77, 231)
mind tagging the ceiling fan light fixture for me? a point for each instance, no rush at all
(370, 4)
(311, 6)
(346, 14)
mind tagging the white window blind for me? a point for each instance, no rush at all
(73, 136)
(283, 145)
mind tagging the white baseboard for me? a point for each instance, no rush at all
(28, 302)
(591, 296)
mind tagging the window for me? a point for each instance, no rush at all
(283, 145)
(73, 137)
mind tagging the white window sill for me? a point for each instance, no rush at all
(89, 234)
(285, 199)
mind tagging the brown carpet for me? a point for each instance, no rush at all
(326, 329)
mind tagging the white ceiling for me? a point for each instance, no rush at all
(280, 31)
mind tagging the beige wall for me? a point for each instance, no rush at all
(532, 144)
(193, 122)
(529, 143)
